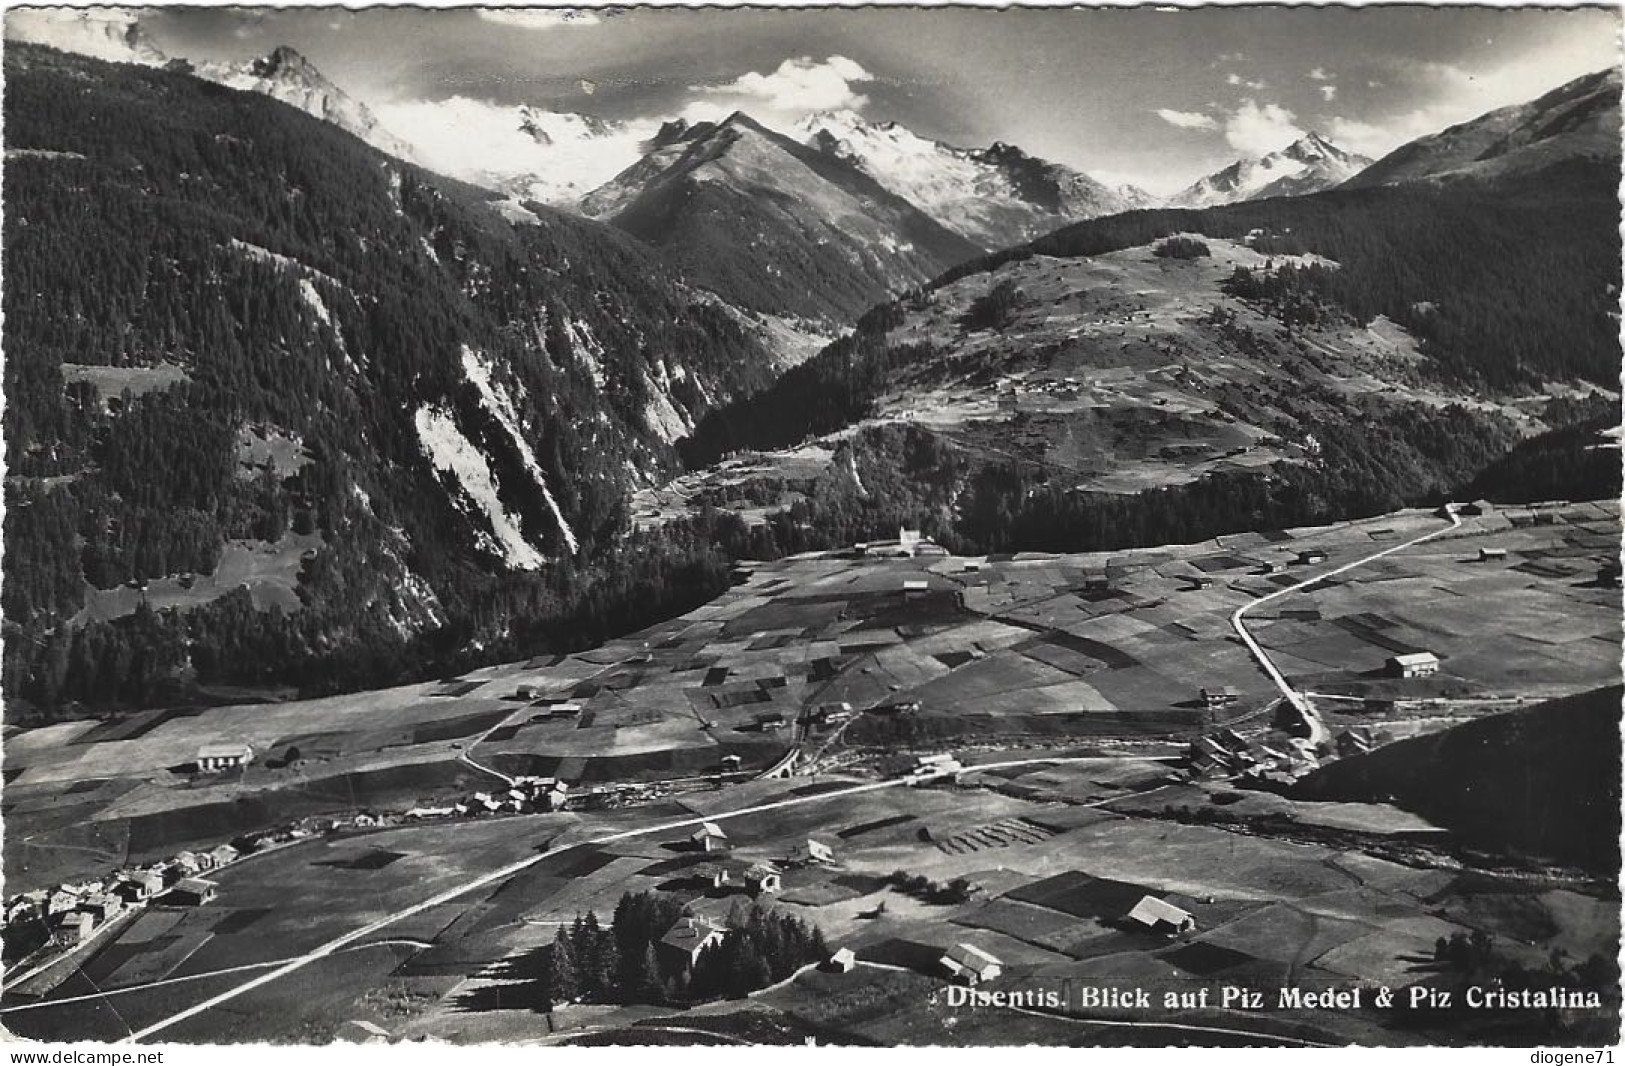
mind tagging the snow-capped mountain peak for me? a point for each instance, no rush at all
(1309, 164)
(994, 196)
(286, 75)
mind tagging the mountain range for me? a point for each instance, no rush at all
(246, 325)
(1309, 164)
(1579, 120)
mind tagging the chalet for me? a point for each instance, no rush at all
(223, 756)
(684, 941)
(1310, 556)
(103, 906)
(810, 851)
(1194, 584)
(973, 566)
(72, 927)
(843, 961)
(1160, 916)
(1486, 555)
(1219, 696)
(1097, 581)
(762, 879)
(770, 722)
(193, 892)
(970, 964)
(709, 837)
(1415, 664)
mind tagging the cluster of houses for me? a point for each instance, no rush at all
(76, 912)
(1226, 752)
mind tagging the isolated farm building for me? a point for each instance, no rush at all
(730, 763)
(934, 765)
(684, 941)
(567, 709)
(73, 927)
(897, 707)
(1274, 566)
(1219, 696)
(1160, 916)
(1200, 582)
(810, 850)
(1416, 664)
(1477, 507)
(193, 892)
(833, 713)
(761, 879)
(1312, 555)
(709, 837)
(1098, 581)
(772, 720)
(1486, 555)
(223, 756)
(915, 586)
(970, 964)
(843, 960)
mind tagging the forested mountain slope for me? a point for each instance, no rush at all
(326, 405)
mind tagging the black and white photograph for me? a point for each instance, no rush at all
(846, 526)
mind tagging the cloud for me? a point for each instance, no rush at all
(1260, 129)
(1329, 92)
(1447, 94)
(798, 87)
(1236, 79)
(1319, 74)
(533, 18)
(1187, 120)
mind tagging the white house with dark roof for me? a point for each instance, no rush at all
(1160, 916)
(1415, 664)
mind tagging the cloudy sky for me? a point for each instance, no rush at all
(1156, 97)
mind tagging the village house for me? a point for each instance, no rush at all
(709, 837)
(1359, 740)
(1416, 664)
(72, 927)
(103, 906)
(970, 965)
(223, 756)
(143, 884)
(193, 892)
(1160, 916)
(684, 941)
